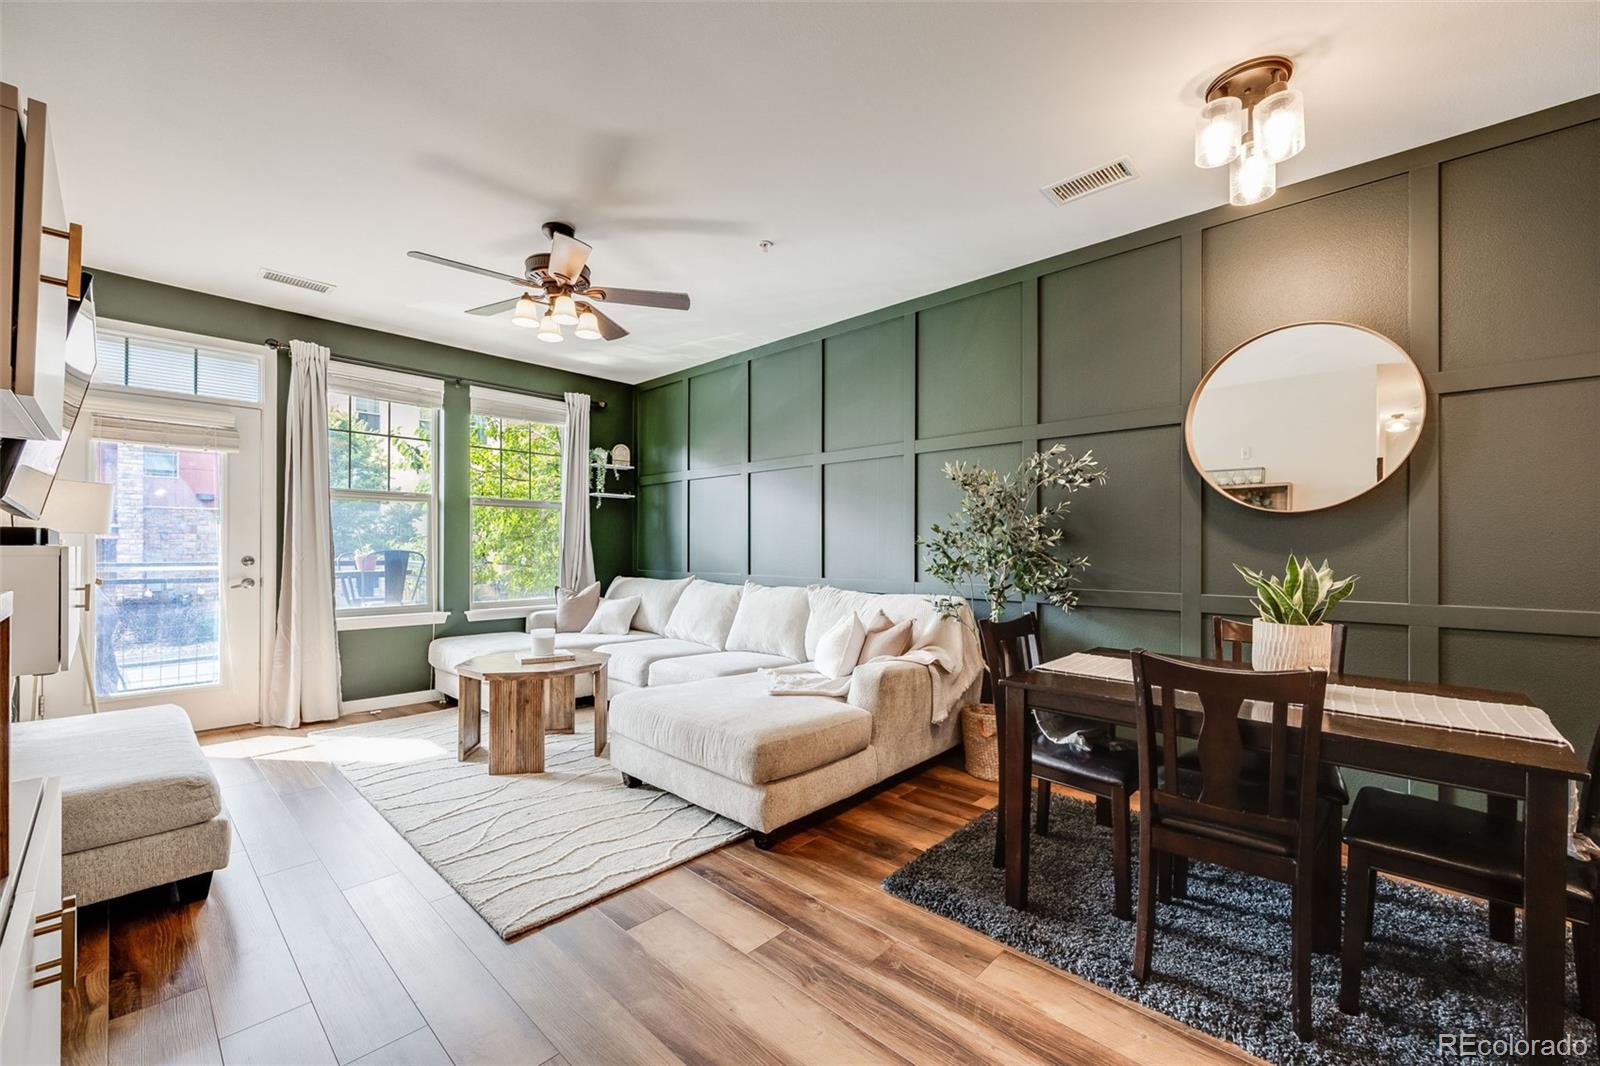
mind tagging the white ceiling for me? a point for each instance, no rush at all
(888, 150)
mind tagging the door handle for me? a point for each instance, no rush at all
(244, 583)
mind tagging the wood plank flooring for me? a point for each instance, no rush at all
(328, 940)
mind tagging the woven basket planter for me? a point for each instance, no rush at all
(978, 734)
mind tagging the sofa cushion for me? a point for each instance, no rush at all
(630, 663)
(657, 598)
(704, 613)
(887, 641)
(733, 727)
(717, 664)
(828, 605)
(446, 653)
(771, 621)
(839, 649)
(124, 774)
(600, 641)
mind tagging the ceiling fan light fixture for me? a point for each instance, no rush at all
(527, 313)
(549, 331)
(588, 326)
(564, 310)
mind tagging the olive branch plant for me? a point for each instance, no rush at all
(999, 543)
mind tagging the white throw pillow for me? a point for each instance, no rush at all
(839, 650)
(657, 598)
(613, 617)
(771, 621)
(574, 609)
(704, 613)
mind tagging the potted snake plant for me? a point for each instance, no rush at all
(1291, 633)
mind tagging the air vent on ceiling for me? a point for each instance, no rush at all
(1090, 181)
(297, 282)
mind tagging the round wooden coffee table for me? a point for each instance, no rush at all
(525, 701)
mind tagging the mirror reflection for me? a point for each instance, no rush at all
(1306, 416)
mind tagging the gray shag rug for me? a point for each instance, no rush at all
(1222, 955)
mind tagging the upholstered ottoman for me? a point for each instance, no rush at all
(139, 804)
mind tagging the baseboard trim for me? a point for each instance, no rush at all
(381, 703)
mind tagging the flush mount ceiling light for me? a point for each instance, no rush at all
(1251, 122)
(1398, 422)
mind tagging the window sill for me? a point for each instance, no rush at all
(519, 610)
(391, 621)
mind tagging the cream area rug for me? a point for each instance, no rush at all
(522, 849)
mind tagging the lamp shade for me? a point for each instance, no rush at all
(527, 313)
(1218, 133)
(78, 507)
(1279, 122)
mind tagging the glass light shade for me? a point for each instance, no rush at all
(1396, 423)
(588, 327)
(1280, 125)
(1218, 132)
(527, 313)
(549, 331)
(1252, 178)
(564, 311)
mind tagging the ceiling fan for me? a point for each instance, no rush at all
(559, 292)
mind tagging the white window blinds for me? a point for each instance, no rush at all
(493, 403)
(388, 385)
(210, 437)
(163, 365)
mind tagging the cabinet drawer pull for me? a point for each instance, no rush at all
(64, 921)
(53, 927)
(40, 982)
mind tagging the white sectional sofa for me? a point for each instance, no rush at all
(691, 711)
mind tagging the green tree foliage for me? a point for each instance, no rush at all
(516, 550)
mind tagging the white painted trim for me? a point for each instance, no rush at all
(381, 703)
(193, 340)
(518, 610)
(391, 621)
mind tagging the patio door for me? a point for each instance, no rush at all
(179, 605)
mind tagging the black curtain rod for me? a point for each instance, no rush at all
(598, 405)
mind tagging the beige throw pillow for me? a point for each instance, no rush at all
(574, 609)
(890, 641)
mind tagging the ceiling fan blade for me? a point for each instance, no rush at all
(499, 307)
(567, 256)
(609, 330)
(674, 301)
(468, 267)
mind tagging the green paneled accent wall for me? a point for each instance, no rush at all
(664, 428)
(1477, 561)
(378, 662)
(785, 395)
(719, 418)
(969, 364)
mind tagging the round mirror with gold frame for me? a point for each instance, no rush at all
(1305, 417)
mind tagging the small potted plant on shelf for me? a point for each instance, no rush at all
(598, 458)
(1290, 633)
(999, 543)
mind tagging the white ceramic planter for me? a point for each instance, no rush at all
(1274, 646)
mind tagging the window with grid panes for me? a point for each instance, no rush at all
(381, 457)
(516, 510)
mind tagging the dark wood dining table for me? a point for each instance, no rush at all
(1507, 768)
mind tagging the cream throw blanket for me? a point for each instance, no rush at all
(946, 647)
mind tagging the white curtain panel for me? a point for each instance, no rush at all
(304, 686)
(577, 553)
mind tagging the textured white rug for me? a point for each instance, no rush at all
(522, 849)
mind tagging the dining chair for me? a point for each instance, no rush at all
(1109, 775)
(1477, 853)
(1229, 638)
(1269, 829)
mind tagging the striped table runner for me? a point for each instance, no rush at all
(1409, 708)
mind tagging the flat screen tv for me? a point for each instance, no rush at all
(28, 467)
